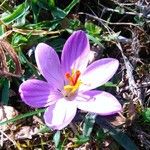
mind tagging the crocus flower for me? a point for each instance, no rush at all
(70, 82)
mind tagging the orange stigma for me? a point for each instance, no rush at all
(73, 78)
(73, 82)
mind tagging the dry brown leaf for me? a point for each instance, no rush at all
(6, 112)
(26, 132)
(7, 50)
(117, 120)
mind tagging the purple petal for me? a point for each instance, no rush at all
(75, 52)
(36, 93)
(49, 65)
(98, 73)
(59, 115)
(99, 102)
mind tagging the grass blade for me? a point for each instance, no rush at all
(22, 116)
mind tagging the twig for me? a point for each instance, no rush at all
(36, 32)
(117, 11)
(5, 35)
(110, 23)
(2, 3)
(3, 134)
(129, 68)
(144, 84)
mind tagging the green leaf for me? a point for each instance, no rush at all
(92, 29)
(111, 37)
(22, 116)
(51, 3)
(5, 92)
(146, 115)
(23, 59)
(56, 138)
(18, 12)
(140, 20)
(61, 14)
(100, 135)
(121, 10)
(109, 84)
(35, 9)
(119, 136)
(50, 25)
(44, 129)
(57, 43)
(81, 140)
(2, 29)
(74, 24)
(58, 13)
(70, 6)
(95, 40)
(88, 124)
(41, 4)
(18, 39)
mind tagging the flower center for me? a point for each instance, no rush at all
(73, 83)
